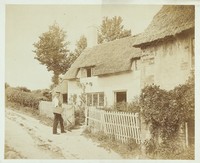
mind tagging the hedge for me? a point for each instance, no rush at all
(26, 99)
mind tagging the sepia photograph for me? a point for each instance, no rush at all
(99, 81)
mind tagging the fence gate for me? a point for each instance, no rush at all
(122, 126)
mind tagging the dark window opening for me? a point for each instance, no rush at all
(120, 97)
(65, 98)
(95, 99)
(89, 72)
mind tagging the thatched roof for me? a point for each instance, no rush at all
(169, 21)
(107, 58)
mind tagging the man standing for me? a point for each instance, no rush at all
(58, 109)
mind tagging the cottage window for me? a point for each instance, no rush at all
(95, 99)
(65, 98)
(120, 97)
(89, 72)
(85, 72)
(101, 99)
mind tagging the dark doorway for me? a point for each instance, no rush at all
(120, 97)
(65, 98)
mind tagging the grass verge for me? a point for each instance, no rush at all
(129, 150)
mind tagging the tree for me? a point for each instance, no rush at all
(81, 44)
(51, 50)
(112, 29)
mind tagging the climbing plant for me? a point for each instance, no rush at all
(165, 110)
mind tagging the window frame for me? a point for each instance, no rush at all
(89, 72)
(65, 100)
(98, 99)
(120, 91)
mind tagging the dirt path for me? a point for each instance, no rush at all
(28, 138)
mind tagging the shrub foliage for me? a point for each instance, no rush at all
(165, 110)
(26, 99)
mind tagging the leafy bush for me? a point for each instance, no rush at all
(182, 99)
(46, 93)
(79, 116)
(132, 145)
(79, 105)
(165, 111)
(43, 92)
(26, 99)
(187, 154)
(156, 111)
(166, 150)
(150, 147)
(7, 85)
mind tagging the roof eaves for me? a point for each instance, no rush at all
(88, 66)
(161, 39)
(113, 73)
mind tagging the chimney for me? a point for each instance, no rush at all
(91, 36)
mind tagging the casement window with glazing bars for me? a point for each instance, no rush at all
(95, 99)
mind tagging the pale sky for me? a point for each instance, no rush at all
(25, 23)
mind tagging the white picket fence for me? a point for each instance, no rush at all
(123, 126)
(46, 109)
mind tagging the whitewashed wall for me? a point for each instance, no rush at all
(73, 89)
(127, 81)
(172, 64)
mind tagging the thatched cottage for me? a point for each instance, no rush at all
(110, 73)
(117, 71)
(168, 53)
(167, 47)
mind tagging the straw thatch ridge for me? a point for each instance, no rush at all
(169, 21)
(107, 58)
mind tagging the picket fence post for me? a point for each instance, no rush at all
(86, 117)
(102, 120)
(122, 125)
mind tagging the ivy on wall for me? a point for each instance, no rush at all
(165, 110)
